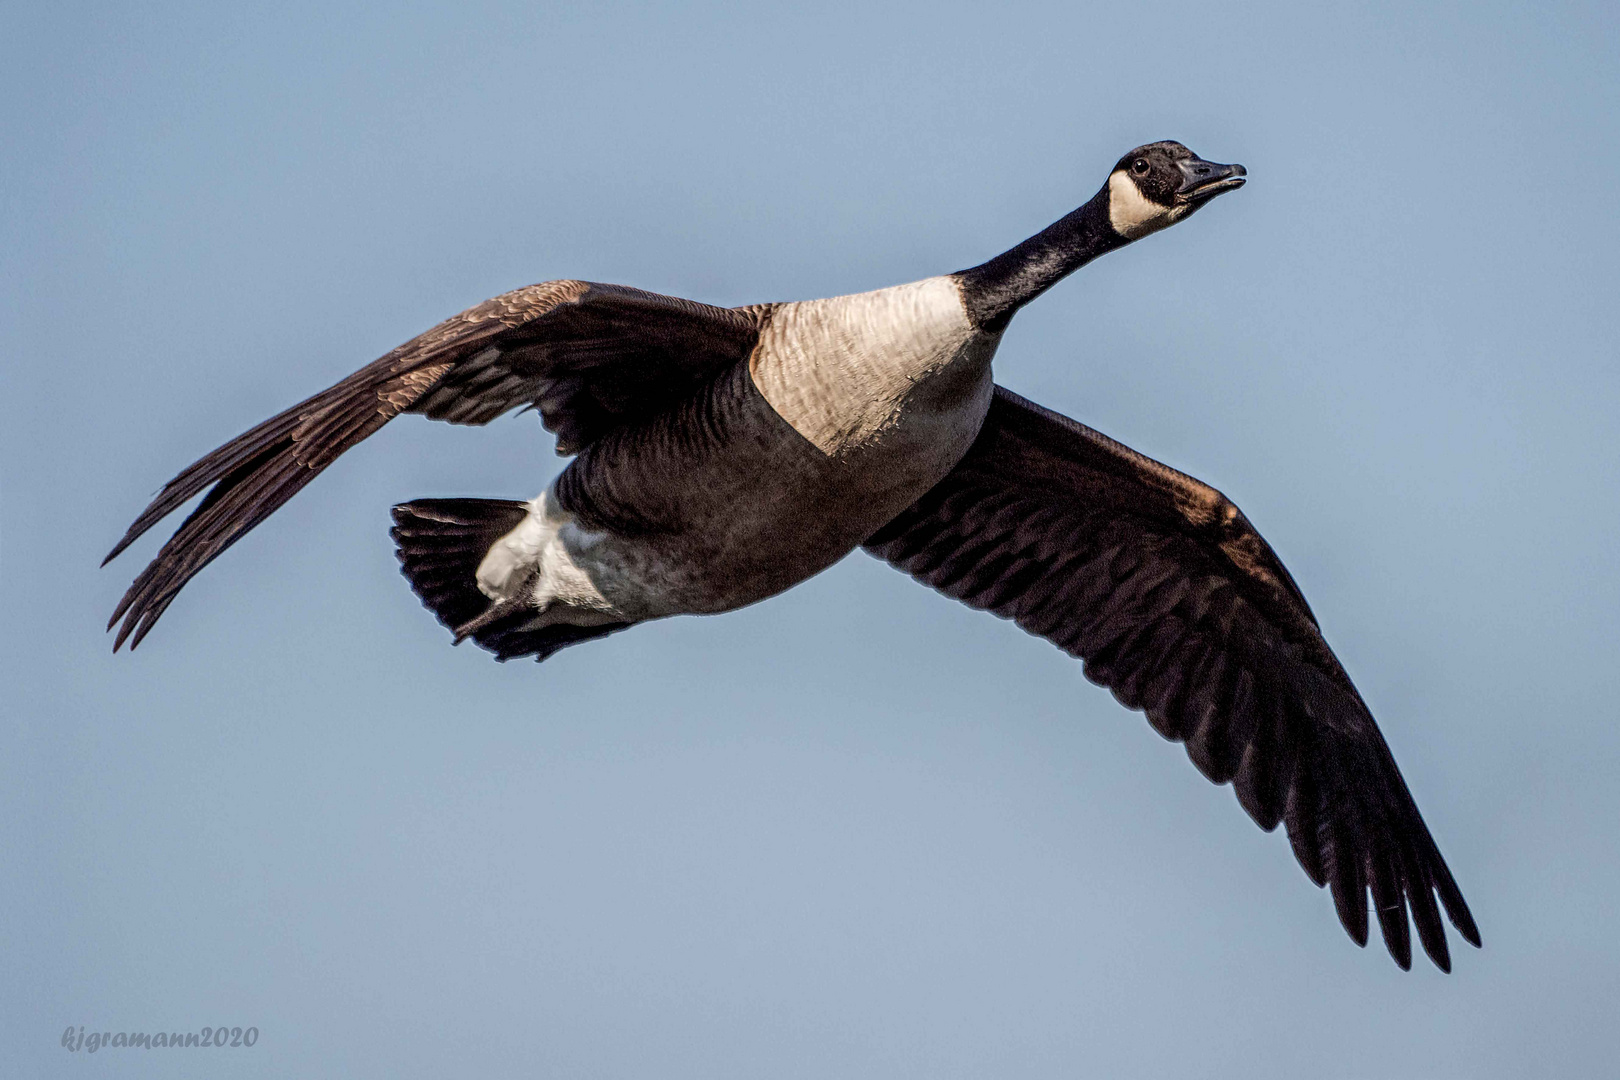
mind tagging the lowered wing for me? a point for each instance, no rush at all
(1175, 603)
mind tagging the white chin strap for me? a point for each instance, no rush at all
(1132, 214)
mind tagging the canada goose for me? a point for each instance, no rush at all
(724, 455)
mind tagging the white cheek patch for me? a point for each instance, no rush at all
(1131, 213)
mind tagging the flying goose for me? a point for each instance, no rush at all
(722, 455)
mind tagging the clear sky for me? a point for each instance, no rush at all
(860, 830)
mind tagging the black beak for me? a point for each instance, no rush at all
(1202, 180)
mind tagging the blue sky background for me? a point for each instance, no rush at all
(858, 831)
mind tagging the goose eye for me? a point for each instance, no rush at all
(1139, 166)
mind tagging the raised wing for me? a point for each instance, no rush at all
(1160, 584)
(590, 357)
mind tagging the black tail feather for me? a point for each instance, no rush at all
(441, 542)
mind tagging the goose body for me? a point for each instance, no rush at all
(846, 411)
(722, 455)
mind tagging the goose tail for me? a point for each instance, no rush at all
(440, 544)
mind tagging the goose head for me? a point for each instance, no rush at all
(1152, 188)
(1157, 185)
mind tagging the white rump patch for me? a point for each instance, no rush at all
(504, 566)
(543, 555)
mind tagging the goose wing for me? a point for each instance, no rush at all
(1175, 603)
(590, 357)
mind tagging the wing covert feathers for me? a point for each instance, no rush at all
(1175, 603)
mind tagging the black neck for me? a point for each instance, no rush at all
(995, 290)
